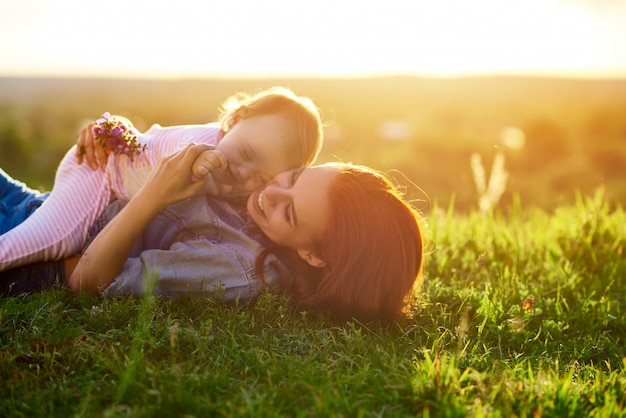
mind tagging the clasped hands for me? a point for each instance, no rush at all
(180, 175)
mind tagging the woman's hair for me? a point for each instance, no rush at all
(372, 246)
(302, 117)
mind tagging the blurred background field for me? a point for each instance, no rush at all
(558, 136)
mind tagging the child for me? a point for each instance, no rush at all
(257, 137)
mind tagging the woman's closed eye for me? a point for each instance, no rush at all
(294, 176)
(290, 210)
(290, 215)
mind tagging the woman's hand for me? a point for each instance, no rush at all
(172, 180)
(87, 148)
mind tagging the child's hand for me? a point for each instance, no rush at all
(207, 162)
(87, 148)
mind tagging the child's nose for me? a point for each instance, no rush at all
(245, 174)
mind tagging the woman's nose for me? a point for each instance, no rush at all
(274, 193)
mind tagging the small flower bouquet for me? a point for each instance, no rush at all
(114, 135)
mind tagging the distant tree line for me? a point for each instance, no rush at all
(574, 131)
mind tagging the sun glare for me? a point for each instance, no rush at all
(444, 38)
(503, 37)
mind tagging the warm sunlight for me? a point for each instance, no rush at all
(446, 38)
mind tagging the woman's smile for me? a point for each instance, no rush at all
(259, 200)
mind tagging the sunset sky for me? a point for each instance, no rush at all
(190, 38)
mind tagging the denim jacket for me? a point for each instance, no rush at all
(198, 245)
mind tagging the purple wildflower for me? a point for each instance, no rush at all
(111, 133)
(116, 131)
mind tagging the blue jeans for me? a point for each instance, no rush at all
(32, 278)
(18, 202)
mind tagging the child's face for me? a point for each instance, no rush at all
(256, 148)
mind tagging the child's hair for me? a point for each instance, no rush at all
(301, 115)
(372, 246)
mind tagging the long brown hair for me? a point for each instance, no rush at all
(372, 246)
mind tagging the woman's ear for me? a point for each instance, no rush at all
(311, 258)
(237, 116)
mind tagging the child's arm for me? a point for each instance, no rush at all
(206, 163)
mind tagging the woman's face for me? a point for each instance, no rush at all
(292, 210)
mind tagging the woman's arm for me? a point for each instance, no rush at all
(170, 182)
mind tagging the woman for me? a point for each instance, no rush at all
(344, 240)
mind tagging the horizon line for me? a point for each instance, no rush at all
(301, 76)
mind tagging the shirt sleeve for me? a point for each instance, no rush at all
(167, 140)
(199, 266)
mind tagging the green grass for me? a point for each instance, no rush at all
(471, 347)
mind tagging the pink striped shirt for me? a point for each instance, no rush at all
(58, 229)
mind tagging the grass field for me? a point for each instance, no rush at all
(523, 315)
